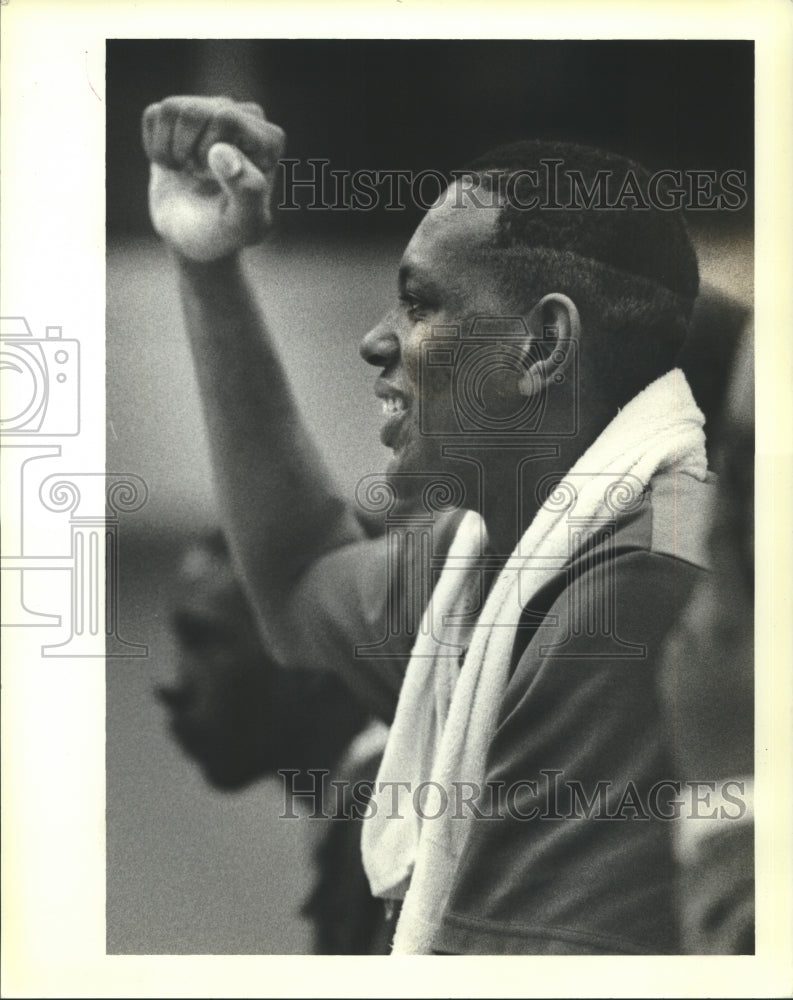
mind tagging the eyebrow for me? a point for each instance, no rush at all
(406, 272)
(410, 273)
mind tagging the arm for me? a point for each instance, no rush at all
(213, 163)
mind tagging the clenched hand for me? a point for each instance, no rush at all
(213, 163)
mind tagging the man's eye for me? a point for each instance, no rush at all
(413, 306)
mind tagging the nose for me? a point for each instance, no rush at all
(380, 346)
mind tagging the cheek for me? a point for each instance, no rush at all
(413, 352)
(429, 376)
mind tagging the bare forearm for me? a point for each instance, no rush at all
(278, 499)
(212, 174)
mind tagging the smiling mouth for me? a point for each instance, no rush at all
(393, 405)
(394, 410)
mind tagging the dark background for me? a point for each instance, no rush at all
(384, 104)
(191, 870)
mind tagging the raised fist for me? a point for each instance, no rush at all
(213, 164)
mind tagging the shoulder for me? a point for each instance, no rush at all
(349, 587)
(629, 582)
(672, 518)
(681, 509)
(348, 611)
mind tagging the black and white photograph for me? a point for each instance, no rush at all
(419, 576)
(428, 375)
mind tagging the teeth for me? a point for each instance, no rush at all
(393, 405)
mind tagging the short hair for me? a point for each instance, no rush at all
(632, 271)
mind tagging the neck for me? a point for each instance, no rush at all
(504, 481)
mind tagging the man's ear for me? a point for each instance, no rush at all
(554, 324)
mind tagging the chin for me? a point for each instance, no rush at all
(411, 471)
(406, 480)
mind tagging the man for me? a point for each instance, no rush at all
(242, 717)
(237, 713)
(708, 680)
(526, 370)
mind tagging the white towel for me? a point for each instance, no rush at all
(446, 717)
